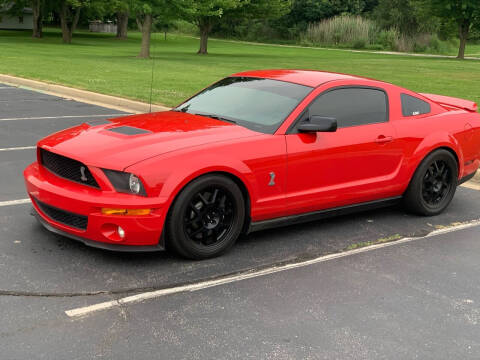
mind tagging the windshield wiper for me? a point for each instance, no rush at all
(217, 117)
(184, 109)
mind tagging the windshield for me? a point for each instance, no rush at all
(255, 103)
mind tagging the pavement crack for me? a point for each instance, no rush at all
(71, 294)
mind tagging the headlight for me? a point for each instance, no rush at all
(125, 182)
(135, 184)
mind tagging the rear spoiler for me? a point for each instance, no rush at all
(451, 102)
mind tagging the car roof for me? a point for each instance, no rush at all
(312, 78)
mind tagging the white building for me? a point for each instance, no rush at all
(25, 21)
(101, 27)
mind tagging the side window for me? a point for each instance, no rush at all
(412, 106)
(352, 106)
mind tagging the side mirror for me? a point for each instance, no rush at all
(318, 124)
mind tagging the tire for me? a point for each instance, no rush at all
(433, 185)
(206, 218)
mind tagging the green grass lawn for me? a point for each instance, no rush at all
(99, 63)
(473, 50)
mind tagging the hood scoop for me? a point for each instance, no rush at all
(129, 130)
(93, 123)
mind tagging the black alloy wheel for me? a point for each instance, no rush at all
(206, 218)
(433, 185)
(436, 183)
(209, 216)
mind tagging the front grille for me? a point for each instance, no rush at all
(64, 217)
(67, 168)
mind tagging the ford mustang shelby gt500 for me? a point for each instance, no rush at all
(254, 150)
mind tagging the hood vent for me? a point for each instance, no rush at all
(129, 130)
(98, 122)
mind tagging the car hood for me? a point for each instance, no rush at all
(121, 142)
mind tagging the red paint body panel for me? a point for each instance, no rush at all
(169, 131)
(80, 199)
(312, 171)
(302, 77)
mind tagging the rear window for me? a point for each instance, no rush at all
(412, 106)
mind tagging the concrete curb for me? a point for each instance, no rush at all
(88, 97)
(476, 178)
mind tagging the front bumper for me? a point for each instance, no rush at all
(142, 233)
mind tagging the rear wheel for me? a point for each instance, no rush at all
(433, 185)
(206, 218)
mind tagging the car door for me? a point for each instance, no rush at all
(357, 163)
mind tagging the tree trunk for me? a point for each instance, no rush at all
(122, 25)
(463, 34)
(205, 26)
(68, 25)
(146, 29)
(66, 33)
(37, 18)
(75, 20)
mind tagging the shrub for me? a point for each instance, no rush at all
(184, 27)
(376, 47)
(388, 38)
(345, 29)
(421, 42)
(437, 46)
(360, 44)
(404, 44)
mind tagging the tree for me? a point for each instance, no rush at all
(396, 14)
(122, 24)
(207, 12)
(465, 13)
(105, 9)
(121, 9)
(69, 13)
(146, 12)
(304, 12)
(37, 10)
(204, 14)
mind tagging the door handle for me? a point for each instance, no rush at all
(382, 139)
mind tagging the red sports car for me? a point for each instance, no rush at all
(254, 150)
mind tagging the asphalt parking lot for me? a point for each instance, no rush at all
(417, 299)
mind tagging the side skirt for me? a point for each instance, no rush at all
(466, 178)
(322, 214)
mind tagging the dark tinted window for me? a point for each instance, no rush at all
(257, 104)
(412, 106)
(352, 106)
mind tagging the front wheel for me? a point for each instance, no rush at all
(433, 185)
(206, 218)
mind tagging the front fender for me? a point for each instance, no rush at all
(164, 177)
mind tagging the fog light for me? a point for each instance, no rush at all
(121, 232)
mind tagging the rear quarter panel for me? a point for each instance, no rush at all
(420, 135)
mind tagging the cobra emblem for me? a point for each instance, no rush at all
(82, 172)
(272, 179)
